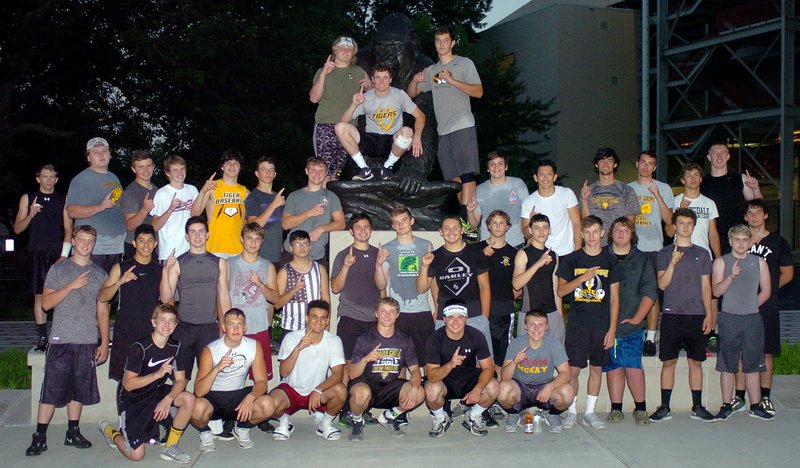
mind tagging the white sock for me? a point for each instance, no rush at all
(359, 159)
(357, 417)
(591, 401)
(573, 408)
(476, 411)
(390, 161)
(284, 421)
(438, 413)
(327, 419)
(650, 335)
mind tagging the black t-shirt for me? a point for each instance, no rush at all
(439, 349)
(727, 193)
(591, 300)
(501, 272)
(396, 352)
(456, 274)
(145, 358)
(137, 299)
(539, 290)
(776, 252)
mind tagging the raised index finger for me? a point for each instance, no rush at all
(330, 58)
(213, 175)
(172, 254)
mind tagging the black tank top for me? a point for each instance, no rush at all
(46, 229)
(539, 290)
(137, 299)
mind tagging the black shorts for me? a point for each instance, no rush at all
(38, 263)
(771, 316)
(349, 329)
(225, 402)
(106, 261)
(375, 145)
(460, 384)
(586, 344)
(419, 326)
(116, 360)
(527, 396)
(193, 338)
(384, 394)
(682, 331)
(499, 327)
(70, 375)
(136, 420)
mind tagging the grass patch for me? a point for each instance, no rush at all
(788, 363)
(14, 371)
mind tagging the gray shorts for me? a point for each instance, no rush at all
(740, 335)
(458, 153)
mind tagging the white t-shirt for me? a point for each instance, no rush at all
(556, 207)
(648, 221)
(706, 210)
(172, 234)
(313, 363)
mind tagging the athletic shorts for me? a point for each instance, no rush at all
(225, 402)
(349, 329)
(460, 383)
(586, 344)
(116, 360)
(740, 335)
(297, 401)
(136, 420)
(38, 263)
(458, 153)
(193, 338)
(682, 331)
(375, 145)
(499, 327)
(263, 337)
(419, 326)
(70, 375)
(328, 148)
(771, 317)
(384, 394)
(527, 396)
(626, 352)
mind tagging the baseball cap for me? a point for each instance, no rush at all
(94, 142)
(455, 309)
(346, 42)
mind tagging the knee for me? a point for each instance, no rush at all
(137, 455)
(492, 388)
(360, 394)
(188, 400)
(339, 391)
(434, 391)
(563, 396)
(267, 405)
(202, 409)
(506, 394)
(341, 129)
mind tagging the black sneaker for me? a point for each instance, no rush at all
(267, 427)
(662, 413)
(38, 445)
(701, 414)
(488, 420)
(227, 430)
(364, 174)
(648, 348)
(725, 412)
(345, 420)
(759, 412)
(385, 173)
(356, 431)
(76, 439)
(42, 345)
(402, 420)
(369, 419)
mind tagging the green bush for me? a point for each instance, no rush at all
(788, 363)
(14, 371)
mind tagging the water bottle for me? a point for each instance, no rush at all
(537, 424)
(528, 423)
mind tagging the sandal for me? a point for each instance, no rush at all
(329, 433)
(282, 433)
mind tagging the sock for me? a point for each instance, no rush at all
(72, 424)
(390, 161)
(357, 417)
(512, 411)
(327, 419)
(41, 428)
(244, 425)
(640, 406)
(393, 412)
(697, 398)
(573, 408)
(205, 429)
(754, 406)
(591, 401)
(439, 413)
(359, 160)
(173, 436)
(476, 411)
(556, 411)
(616, 406)
(650, 335)
(283, 421)
(765, 392)
(740, 394)
(41, 329)
(666, 394)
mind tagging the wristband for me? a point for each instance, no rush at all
(65, 249)
(318, 391)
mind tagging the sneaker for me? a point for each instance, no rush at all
(345, 420)
(648, 348)
(615, 416)
(215, 425)
(496, 411)
(569, 420)
(738, 405)
(457, 410)
(370, 419)
(553, 421)
(389, 420)
(38, 445)
(267, 427)
(108, 432)
(402, 420)
(282, 433)
(356, 431)
(475, 426)
(701, 414)
(329, 433)
(227, 431)
(364, 174)
(440, 426)
(766, 403)
(242, 434)
(41, 346)
(759, 412)
(207, 441)
(385, 173)
(488, 420)
(712, 342)
(640, 418)
(512, 422)
(662, 413)
(725, 412)
(594, 421)
(175, 454)
(75, 439)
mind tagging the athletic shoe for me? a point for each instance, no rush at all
(553, 421)
(489, 421)
(700, 413)
(215, 425)
(38, 445)
(282, 433)
(457, 410)
(766, 403)
(440, 426)
(475, 426)
(329, 433)
(496, 411)
(388, 419)
(648, 348)
(385, 173)
(345, 420)
(227, 430)
(662, 413)
(267, 427)
(75, 439)
(712, 342)
(512, 422)
(759, 412)
(108, 431)
(738, 405)
(594, 421)
(640, 418)
(369, 419)
(402, 420)
(615, 416)
(569, 420)
(41, 346)
(725, 412)
(364, 174)
(175, 454)
(242, 434)
(207, 441)
(357, 431)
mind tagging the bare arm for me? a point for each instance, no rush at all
(485, 293)
(169, 281)
(325, 293)
(711, 315)
(719, 282)
(786, 275)
(206, 373)
(223, 293)
(764, 282)
(713, 238)
(575, 220)
(111, 285)
(24, 215)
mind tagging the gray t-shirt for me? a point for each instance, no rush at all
(741, 298)
(540, 364)
(132, 201)
(254, 205)
(684, 295)
(302, 200)
(609, 202)
(75, 318)
(384, 114)
(648, 221)
(90, 188)
(507, 197)
(403, 265)
(450, 104)
(246, 295)
(358, 297)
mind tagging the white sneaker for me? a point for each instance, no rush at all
(207, 441)
(570, 420)
(242, 434)
(175, 454)
(594, 421)
(216, 426)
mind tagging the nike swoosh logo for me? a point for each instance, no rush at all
(153, 364)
